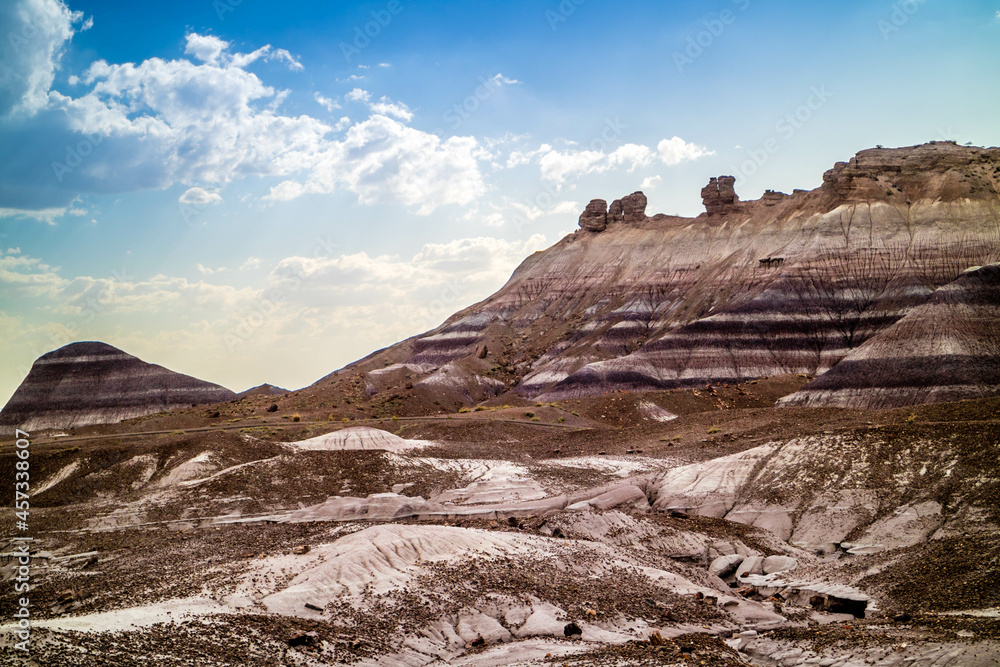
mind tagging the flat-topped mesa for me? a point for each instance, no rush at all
(719, 196)
(937, 170)
(630, 209)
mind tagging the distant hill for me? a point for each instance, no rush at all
(94, 383)
(262, 390)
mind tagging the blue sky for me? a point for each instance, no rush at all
(262, 192)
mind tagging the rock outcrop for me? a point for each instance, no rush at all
(595, 217)
(630, 209)
(719, 196)
(94, 383)
(940, 169)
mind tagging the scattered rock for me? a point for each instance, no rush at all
(572, 630)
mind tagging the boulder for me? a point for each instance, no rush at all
(750, 565)
(723, 566)
(595, 217)
(774, 564)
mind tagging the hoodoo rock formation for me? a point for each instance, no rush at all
(719, 196)
(597, 216)
(94, 383)
(784, 284)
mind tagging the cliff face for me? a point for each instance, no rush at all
(784, 284)
(94, 383)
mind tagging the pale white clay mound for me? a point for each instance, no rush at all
(359, 437)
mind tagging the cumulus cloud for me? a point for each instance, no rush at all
(676, 150)
(651, 182)
(199, 197)
(358, 95)
(205, 48)
(35, 33)
(202, 121)
(326, 102)
(558, 166)
(414, 167)
(386, 107)
(251, 264)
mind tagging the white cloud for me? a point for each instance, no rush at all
(199, 197)
(386, 107)
(326, 102)
(46, 215)
(650, 182)
(358, 95)
(388, 65)
(558, 166)
(251, 264)
(204, 270)
(265, 53)
(381, 157)
(503, 80)
(676, 150)
(205, 48)
(35, 33)
(205, 120)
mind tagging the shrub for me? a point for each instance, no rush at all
(529, 414)
(296, 417)
(714, 429)
(346, 420)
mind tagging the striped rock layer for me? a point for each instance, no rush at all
(787, 283)
(947, 349)
(94, 383)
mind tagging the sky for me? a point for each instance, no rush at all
(251, 192)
